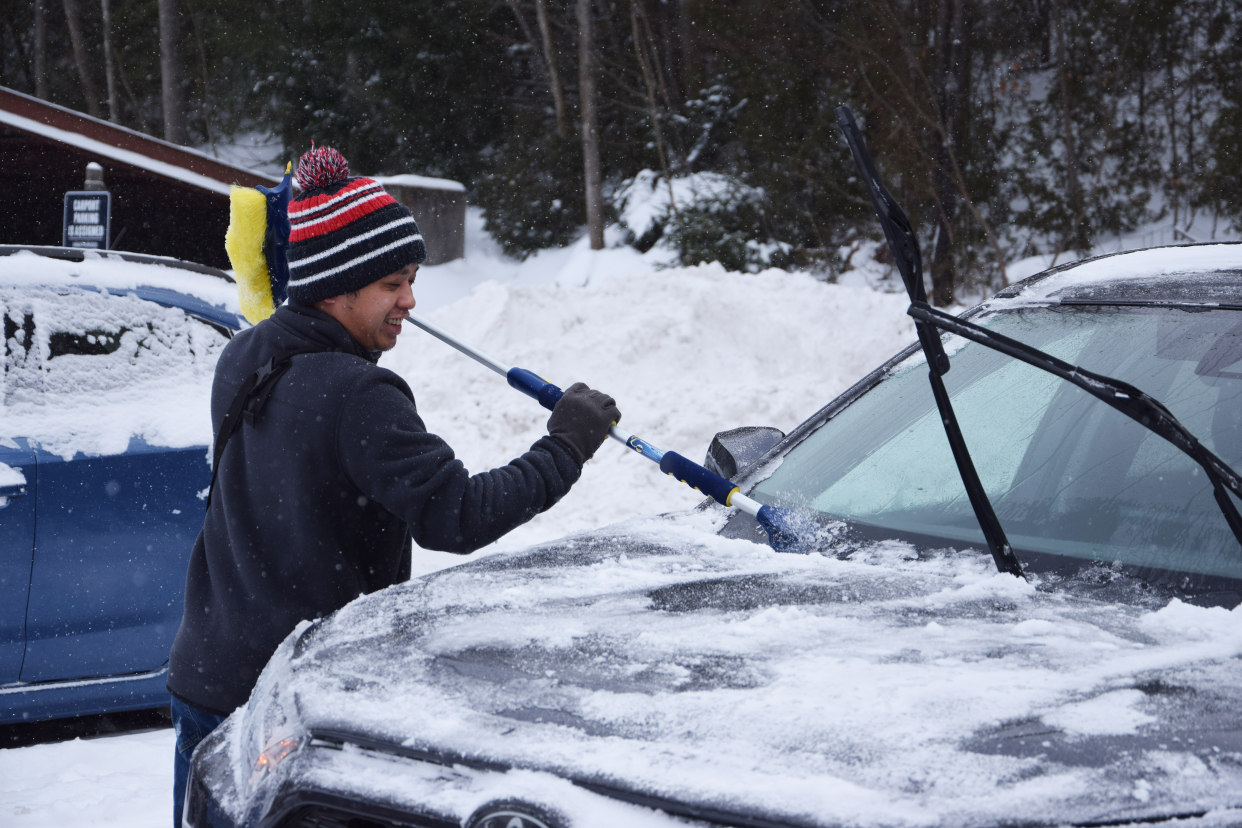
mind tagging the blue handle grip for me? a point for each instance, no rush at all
(697, 477)
(533, 385)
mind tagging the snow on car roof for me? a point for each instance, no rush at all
(109, 271)
(878, 690)
(1191, 260)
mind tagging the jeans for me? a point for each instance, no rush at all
(191, 724)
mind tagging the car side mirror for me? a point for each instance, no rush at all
(732, 451)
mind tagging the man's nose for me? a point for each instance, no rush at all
(406, 299)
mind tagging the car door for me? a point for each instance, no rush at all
(121, 472)
(17, 499)
(17, 524)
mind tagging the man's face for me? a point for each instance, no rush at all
(373, 316)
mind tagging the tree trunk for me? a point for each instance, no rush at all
(649, 82)
(590, 128)
(114, 112)
(554, 77)
(951, 63)
(171, 72)
(40, 49)
(1078, 234)
(79, 57)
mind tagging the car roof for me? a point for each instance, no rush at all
(1205, 273)
(197, 289)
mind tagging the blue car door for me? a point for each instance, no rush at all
(17, 496)
(17, 525)
(122, 465)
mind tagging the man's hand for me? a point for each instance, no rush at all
(581, 420)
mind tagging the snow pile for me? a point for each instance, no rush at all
(686, 353)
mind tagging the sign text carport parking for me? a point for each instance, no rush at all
(88, 217)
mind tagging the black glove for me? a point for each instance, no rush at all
(581, 419)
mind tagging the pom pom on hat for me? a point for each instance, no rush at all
(321, 168)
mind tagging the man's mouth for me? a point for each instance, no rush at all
(395, 320)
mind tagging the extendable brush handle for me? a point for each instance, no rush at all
(776, 522)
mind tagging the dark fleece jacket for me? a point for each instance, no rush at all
(315, 505)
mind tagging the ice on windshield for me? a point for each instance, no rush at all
(87, 371)
(1066, 474)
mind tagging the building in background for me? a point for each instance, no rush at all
(167, 200)
(439, 207)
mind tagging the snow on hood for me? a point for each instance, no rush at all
(877, 690)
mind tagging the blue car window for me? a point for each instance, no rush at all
(1066, 474)
(85, 341)
(86, 371)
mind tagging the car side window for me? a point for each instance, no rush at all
(18, 338)
(78, 359)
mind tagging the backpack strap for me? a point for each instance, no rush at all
(248, 404)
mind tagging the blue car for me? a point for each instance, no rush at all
(104, 463)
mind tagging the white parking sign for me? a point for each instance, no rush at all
(88, 217)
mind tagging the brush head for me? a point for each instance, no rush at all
(244, 242)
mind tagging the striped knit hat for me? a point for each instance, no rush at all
(344, 233)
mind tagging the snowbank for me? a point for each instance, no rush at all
(686, 352)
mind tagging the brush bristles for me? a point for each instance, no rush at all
(244, 244)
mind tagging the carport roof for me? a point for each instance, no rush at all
(124, 146)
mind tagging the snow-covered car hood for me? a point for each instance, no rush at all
(881, 689)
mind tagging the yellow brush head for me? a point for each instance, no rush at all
(244, 244)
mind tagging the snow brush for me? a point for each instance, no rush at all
(257, 242)
(778, 523)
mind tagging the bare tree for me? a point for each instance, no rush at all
(114, 112)
(1078, 235)
(590, 128)
(916, 100)
(952, 58)
(79, 57)
(40, 49)
(171, 72)
(554, 77)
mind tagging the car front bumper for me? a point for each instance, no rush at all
(333, 781)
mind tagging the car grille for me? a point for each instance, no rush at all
(319, 816)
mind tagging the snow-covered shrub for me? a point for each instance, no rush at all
(533, 196)
(704, 217)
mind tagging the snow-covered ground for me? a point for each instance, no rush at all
(686, 352)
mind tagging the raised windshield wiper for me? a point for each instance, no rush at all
(1134, 403)
(1145, 410)
(905, 247)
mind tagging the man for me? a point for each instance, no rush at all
(315, 500)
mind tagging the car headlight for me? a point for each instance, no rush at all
(271, 737)
(276, 751)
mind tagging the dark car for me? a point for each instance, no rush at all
(677, 670)
(108, 359)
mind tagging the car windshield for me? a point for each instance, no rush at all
(1066, 474)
